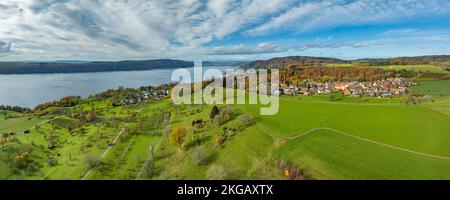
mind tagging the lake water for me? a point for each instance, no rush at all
(31, 89)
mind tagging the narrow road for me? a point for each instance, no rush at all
(33, 127)
(46, 121)
(367, 140)
(105, 152)
(84, 177)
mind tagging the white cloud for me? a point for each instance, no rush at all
(117, 29)
(316, 15)
(138, 29)
(241, 49)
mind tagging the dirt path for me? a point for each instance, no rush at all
(84, 177)
(105, 152)
(367, 140)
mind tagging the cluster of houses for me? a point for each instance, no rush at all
(379, 88)
(151, 94)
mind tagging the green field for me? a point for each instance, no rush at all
(329, 155)
(415, 68)
(19, 124)
(349, 138)
(405, 126)
(434, 88)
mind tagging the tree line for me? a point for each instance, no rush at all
(294, 74)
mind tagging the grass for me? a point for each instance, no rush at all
(5, 113)
(433, 88)
(18, 125)
(416, 68)
(250, 152)
(329, 155)
(413, 127)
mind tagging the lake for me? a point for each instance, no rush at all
(32, 89)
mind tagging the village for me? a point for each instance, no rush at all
(380, 88)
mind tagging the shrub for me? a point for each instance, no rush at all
(291, 172)
(214, 111)
(219, 140)
(247, 120)
(219, 120)
(52, 162)
(200, 155)
(148, 167)
(229, 110)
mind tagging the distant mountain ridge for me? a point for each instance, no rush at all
(307, 61)
(86, 66)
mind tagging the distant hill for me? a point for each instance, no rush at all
(85, 66)
(281, 62)
(305, 61)
(416, 60)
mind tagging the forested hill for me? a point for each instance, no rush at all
(85, 66)
(281, 62)
(305, 61)
(75, 67)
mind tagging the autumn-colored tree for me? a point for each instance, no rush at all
(177, 136)
(3, 142)
(21, 160)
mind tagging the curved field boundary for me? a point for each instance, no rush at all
(366, 140)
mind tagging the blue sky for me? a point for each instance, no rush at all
(221, 29)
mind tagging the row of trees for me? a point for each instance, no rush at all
(16, 109)
(68, 101)
(294, 74)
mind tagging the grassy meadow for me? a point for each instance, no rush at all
(349, 138)
(414, 68)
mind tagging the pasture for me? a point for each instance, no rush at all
(433, 88)
(413, 127)
(18, 125)
(349, 138)
(414, 68)
(329, 155)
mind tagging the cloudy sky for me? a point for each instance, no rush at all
(221, 29)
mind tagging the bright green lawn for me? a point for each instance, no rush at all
(329, 155)
(416, 68)
(18, 125)
(5, 113)
(5, 170)
(413, 127)
(434, 88)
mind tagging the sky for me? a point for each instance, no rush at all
(47, 30)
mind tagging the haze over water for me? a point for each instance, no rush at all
(32, 89)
